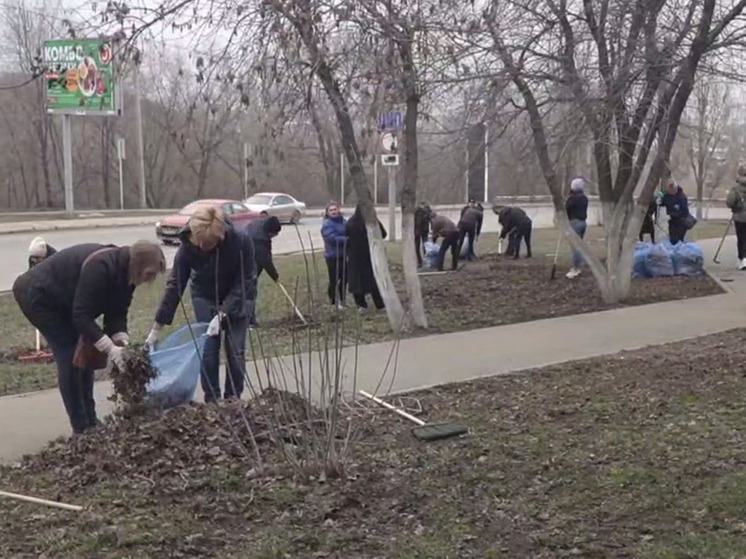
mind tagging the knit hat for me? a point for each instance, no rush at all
(742, 170)
(38, 248)
(577, 185)
(272, 225)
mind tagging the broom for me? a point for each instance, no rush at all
(424, 432)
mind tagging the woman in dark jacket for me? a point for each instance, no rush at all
(335, 240)
(360, 276)
(648, 222)
(39, 251)
(677, 208)
(63, 296)
(218, 263)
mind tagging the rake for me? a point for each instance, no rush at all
(424, 431)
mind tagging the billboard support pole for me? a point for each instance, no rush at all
(392, 203)
(140, 140)
(67, 159)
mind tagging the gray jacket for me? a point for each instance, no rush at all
(736, 200)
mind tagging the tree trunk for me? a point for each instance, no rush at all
(408, 202)
(106, 162)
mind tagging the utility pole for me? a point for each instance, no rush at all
(140, 139)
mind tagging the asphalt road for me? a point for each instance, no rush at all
(14, 247)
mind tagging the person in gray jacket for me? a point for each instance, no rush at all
(736, 201)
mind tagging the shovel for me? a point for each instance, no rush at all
(295, 307)
(424, 432)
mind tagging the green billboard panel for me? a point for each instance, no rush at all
(80, 77)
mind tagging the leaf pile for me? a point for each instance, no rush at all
(193, 439)
(129, 384)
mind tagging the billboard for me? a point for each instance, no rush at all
(80, 78)
(475, 150)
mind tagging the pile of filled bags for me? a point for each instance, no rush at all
(666, 260)
(431, 254)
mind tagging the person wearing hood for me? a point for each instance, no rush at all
(217, 262)
(421, 229)
(649, 221)
(576, 207)
(335, 244)
(736, 201)
(361, 280)
(444, 227)
(39, 251)
(677, 208)
(64, 296)
(470, 225)
(261, 232)
(515, 225)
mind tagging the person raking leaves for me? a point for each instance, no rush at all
(444, 227)
(217, 261)
(515, 225)
(63, 296)
(261, 232)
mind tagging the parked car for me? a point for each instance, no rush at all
(284, 206)
(167, 229)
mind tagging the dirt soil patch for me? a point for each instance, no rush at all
(636, 455)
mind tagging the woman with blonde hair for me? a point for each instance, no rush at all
(217, 261)
(63, 296)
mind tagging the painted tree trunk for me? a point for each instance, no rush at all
(412, 280)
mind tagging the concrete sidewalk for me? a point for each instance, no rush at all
(30, 421)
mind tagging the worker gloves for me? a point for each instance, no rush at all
(213, 329)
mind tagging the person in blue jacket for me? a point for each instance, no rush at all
(677, 208)
(335, 239)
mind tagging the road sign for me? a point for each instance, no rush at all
(389, 160)
(392, 120)
(388, 141)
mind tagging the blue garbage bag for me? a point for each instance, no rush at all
(688, 259)
(464, 248)
(178, 361)
(431, 254)
(638, 262)
(659, 260)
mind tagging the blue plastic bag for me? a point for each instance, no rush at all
(178, 360)
(431, 254)
(465, 248)
(659, 260)
(688, 259)
(638, 262)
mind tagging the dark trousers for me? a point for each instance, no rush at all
(741, 238)
(419, 247)
(676, 231)
(375, 295)
(55, 324)
(450, 241)
(234, 333)
(337, 269)
(469, 231)
(514, 241)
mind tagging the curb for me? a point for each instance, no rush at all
(73, 227)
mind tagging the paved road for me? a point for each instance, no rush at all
(14, 247)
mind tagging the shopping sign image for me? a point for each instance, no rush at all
(80, 77)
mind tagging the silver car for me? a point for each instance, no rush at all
(284, 206)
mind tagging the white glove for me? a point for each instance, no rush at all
(115, 353)
(121, 339)
(152, 338)
(213, 329)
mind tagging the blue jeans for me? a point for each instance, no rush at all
(579, 226)
(234, 333)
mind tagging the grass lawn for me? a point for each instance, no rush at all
(638, 455)
(454, 302)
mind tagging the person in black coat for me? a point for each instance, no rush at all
(360, 278)
(648, 222)
(470, 225)
(63, 296)
(218, 263)
(261, 232)
(677, 207)
(38, 251)
(515, 225)
(421, 229)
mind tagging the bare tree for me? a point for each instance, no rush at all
(703, 131)
(628, 71)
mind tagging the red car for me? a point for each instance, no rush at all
(167, 229)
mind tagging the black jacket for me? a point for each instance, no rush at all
(472, 216)
(224, 275)
(360, 277)
(101, 288)
(576, 206)
(422, 221)
(262, 248)
(512, 218)
(677, 205)
(50, 251)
